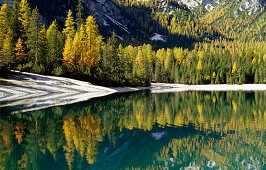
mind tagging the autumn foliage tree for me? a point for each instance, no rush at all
(93, 38)
(7, 51)
(69, 32)
(20, 50)
(24, 14)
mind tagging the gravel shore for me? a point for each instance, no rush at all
(28, 91)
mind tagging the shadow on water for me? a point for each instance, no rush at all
(140, 130)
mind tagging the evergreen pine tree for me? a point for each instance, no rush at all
(79, 46)
(54, 45)
(36, 36)
(79, 15)
(15, 24)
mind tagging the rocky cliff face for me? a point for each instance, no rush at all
(107, 14)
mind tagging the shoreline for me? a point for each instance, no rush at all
(168, 87)
(30, 91)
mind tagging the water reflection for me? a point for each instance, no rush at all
(140, 130)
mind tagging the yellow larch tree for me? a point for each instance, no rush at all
(179, 55)
(234, 69)
(69, 29)
(69, 148)
(24, 13)
(199, 66)
(68, 53)
(3, 23)
(20, 50)
(139, 69)
(92, 41)
(7, 51)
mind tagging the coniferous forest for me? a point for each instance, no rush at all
(78, 50)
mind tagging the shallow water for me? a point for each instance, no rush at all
(208, 130)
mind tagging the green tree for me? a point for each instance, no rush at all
(36, 36)
(15, 24)
(109, 58)
(54, 45)
(79, 15)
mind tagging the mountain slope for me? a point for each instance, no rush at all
(243, 20)
(179, 22)
(107, 14)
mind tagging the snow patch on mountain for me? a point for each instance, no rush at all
(190, 3)
(158, 37)
(253, 6)
(208, 4)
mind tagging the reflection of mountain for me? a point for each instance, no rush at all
(182, 147)
(140, 130)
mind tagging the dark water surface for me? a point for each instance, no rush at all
(206, 130)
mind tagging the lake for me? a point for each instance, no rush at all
(140, 130)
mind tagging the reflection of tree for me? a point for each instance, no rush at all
(54, 137)
(220, 112)
(179, 119)
(89, 136)
(5, 142)
(19, 132)
(82, 135)
(68, 128)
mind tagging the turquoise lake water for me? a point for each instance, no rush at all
(141, 130)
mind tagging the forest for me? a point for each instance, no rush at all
(78, 50)
(174, 19)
